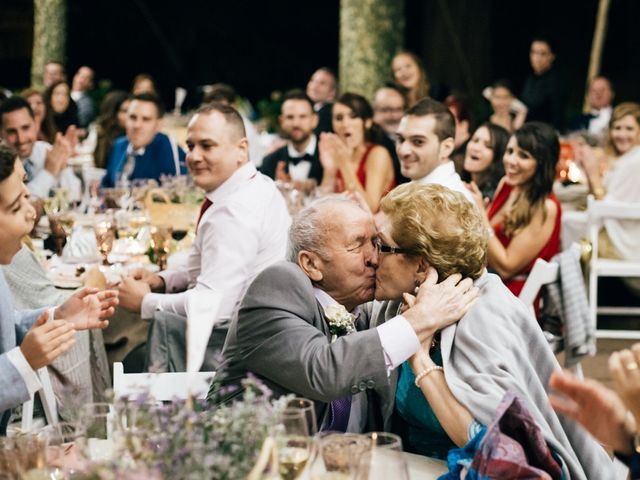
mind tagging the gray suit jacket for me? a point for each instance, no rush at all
(13, 326)
(280, 335)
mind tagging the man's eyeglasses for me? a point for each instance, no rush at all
(382, 248)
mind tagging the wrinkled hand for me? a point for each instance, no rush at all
(595, 407)
(131, 292)
(155, 282)
(627, 380)
(45, 342)
(481, 202)
(88, 308)
(438, 305)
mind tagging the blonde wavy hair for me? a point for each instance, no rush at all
(619, 112)
(439, 225)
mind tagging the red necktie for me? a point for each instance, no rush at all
(205, 205)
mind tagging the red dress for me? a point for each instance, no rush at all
(551, 248)
(361, 174)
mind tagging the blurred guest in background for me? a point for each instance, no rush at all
(81, 85)
(53, 72)
(110, 124)
(458, 103)
(145, 152)
(45, 164)
(60, 106)
(483, 158)
(523, 220)
(600, 98)
(408, 71)
(352, 157)
(389, 104)
(44, 123)
(322, 90)
(144, 83)
(508, 112)
(298, 161)
(544, 92)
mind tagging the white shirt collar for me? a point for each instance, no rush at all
(241, 175)
(327, 300)
(311, 148)
(440, 174)
(131, 151)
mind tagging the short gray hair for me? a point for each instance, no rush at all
(308, 228)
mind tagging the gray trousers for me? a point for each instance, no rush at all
(166, 345)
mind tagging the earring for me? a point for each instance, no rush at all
(415, 290)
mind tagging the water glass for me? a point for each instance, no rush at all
(306, 406)
(382, 464)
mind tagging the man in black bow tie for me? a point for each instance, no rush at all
(297, 161)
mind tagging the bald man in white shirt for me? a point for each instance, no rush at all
(242, 229)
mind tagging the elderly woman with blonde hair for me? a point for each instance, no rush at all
(456, 381)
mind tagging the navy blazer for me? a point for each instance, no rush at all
(13, 327)
(159, 158)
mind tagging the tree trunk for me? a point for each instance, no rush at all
(371, 31)
(49, 36)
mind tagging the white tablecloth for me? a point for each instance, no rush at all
(424, 468)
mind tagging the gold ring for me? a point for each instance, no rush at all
(631, 366)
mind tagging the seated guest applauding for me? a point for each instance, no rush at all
(45, 165)
(525, 214)
(352, 157)
(298, 160)
(483, 158)
(30, 340)
(242, 229)
(144, 152)
(60, 107)
(456, 381)
(295, 330)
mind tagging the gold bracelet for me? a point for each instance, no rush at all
(426, 372)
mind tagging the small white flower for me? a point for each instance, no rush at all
(340, 321)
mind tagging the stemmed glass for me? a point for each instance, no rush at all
(161, 242)
(306, 406)
(61, 454)
(382, 464)
(293, 443)
(94, 429)
(104, 238)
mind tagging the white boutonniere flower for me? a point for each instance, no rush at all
(340, 321)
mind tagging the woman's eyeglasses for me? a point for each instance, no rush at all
(382, 248)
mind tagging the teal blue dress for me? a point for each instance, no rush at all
(425, 435)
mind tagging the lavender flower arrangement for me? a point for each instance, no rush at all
(185, 440)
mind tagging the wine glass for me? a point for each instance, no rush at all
(104, 238)
(293, 443)
(94, 429)
(382, 464)
(61, 450)
(306, 406)
(387, 440)
(161, 242)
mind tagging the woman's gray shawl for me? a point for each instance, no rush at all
(498, 346)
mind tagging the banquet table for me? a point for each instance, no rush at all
(424, 467)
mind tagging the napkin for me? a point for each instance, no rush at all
(202, 313)
(81, 246)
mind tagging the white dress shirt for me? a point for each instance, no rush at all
(447, 176)
(600, 122)
(43, 181)
(240, 234)
(28, 374)
(301, 170)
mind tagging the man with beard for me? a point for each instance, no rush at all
(298, 161)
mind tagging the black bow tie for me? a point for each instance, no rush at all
(295, 160)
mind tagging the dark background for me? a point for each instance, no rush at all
(262, 46)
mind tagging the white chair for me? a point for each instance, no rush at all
(161, 386)
(47, 398)
(598, 211)
(541, 274)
